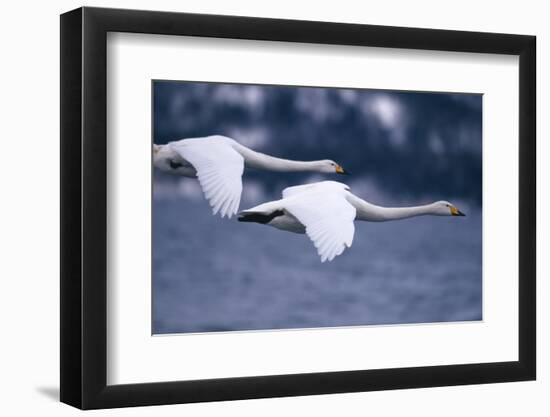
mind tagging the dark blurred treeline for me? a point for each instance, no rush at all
(409, 144)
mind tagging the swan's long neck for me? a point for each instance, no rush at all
(259, 160)
(371, 212)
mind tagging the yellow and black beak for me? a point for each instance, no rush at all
(456, 212)
(341, 170)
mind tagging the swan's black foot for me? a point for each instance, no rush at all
(174, 164)
(260, 217)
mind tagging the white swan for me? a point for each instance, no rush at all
(218, 163)
(326, 210)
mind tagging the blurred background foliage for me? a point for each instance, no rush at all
(400, 146)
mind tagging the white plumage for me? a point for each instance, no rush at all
(219, 171)
(326, 212)
(218, 163)
(327, 217)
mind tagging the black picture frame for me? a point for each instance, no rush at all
(84, 207)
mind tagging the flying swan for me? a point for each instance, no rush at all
(218, 162)
(326, 210)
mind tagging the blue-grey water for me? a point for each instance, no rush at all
(213, 274)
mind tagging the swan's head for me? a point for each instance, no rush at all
(156, 148)
(444, 208)
(330, 167)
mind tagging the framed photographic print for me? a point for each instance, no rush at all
(258, 208)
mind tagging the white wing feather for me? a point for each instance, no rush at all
(328, 219)
(322, 185)
(219, 171)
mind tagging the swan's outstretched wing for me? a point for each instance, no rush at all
(315, 186)
(219, 171)
(328, 219)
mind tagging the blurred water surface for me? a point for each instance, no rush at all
(218, 275)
